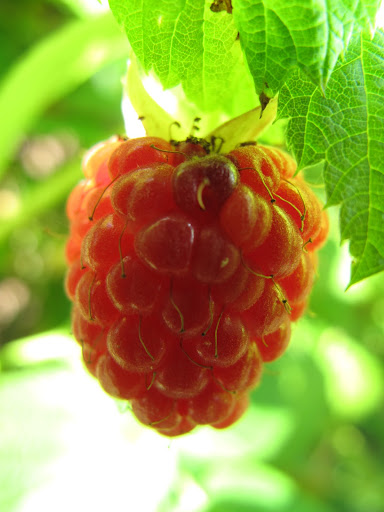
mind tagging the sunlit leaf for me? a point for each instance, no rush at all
(184, 42)
(278, 36)
(346, 129)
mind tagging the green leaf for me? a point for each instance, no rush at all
(52, 69)
(277, 36)
(346, 129)
(184, 42)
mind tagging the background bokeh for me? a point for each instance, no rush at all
(313, 439)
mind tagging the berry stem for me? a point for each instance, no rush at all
(165, 417)
(167, 150)
(192, 360)
(271, 276)
(231, 391)
(273, 200)
(152, 381)
(309, 241)
(211, 308)
(123, 274)
(142, 342)
(213, 144)
(89, 298)
(101, 196)
(276, 285)
(177, 309)
(282, 297)
(216, 329)
(302, 215)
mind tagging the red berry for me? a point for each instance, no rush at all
(85, 330)
(257, 170)
(186, 269)
(93, 300)
(212, 405)
(104, 243)
(166, 245)
(280, 253)
(298, 200)
(224, 343)
(269, 311)
(179, 376)
(273, 345)
(135, 153)
(118, 382)
(298, 284)
(156, 409)
(133, 287)
(144, 194)
(246, 218)
(242, 375)
(73, 277)
(241, 406)
(187, 309)
(137, 343)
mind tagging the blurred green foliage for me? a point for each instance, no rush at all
(313, 439)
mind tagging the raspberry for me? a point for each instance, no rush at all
(186, 270)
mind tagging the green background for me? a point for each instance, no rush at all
(313, 439)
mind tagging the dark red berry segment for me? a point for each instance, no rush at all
(188, 149)
(201, 186)
(186, 270)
